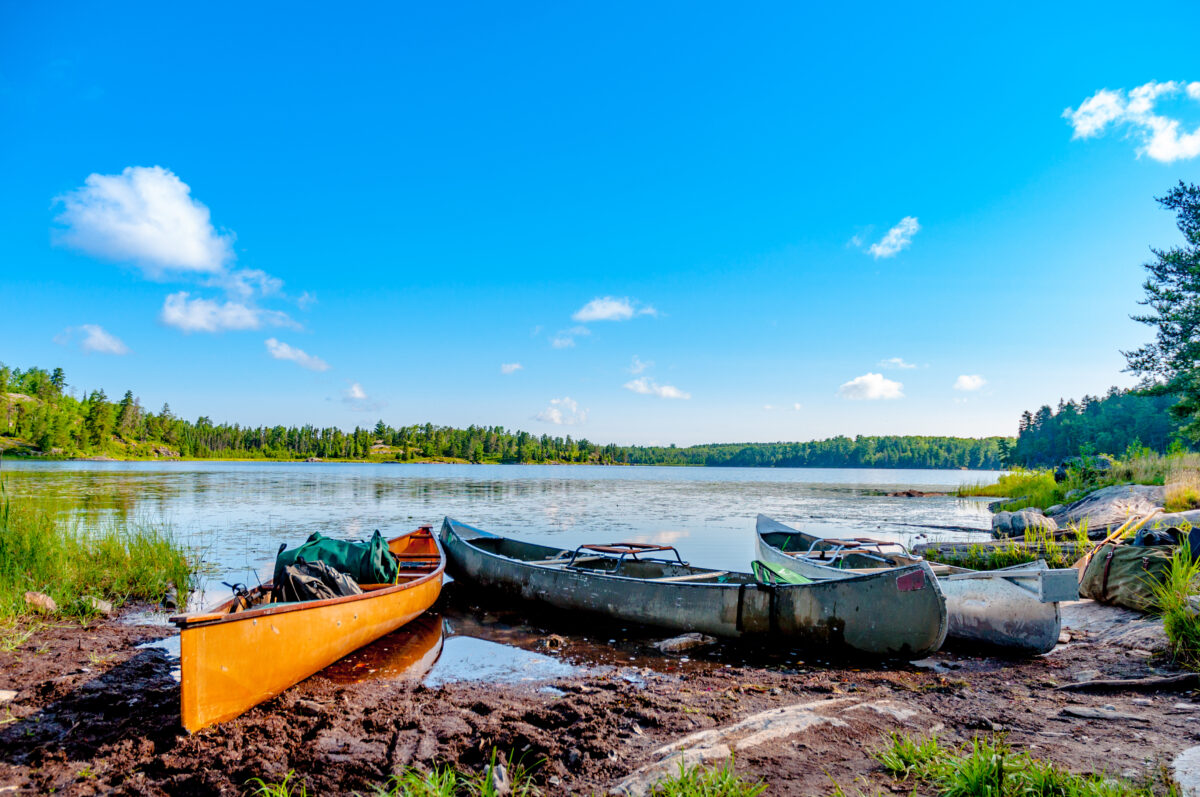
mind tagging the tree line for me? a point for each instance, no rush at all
(36, 408)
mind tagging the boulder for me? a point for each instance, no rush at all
(684, 642)
(1031, 519)
(1002, 524)
(1109, 507)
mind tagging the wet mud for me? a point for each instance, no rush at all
(94, 713)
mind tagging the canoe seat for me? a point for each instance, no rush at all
(770, 573)
(558, 563)
(693, 576)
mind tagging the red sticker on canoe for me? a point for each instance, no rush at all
(910, 582)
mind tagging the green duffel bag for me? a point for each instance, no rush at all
(1125, 575)
(365, 562)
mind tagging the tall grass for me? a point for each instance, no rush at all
(700, 781)
(117, 561)
(1173, 596)
(989, 768)
(1037, 544)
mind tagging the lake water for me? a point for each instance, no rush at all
(238, 513)
(235, 515)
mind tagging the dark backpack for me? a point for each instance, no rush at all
(365, 562)
(311, 581)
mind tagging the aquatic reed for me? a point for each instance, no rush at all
(116, 561)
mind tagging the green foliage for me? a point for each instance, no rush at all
(1123, 423)
(1037, 544)
(117, 562)
(699, 781)
(1181, 618)
(285, 788)
(989, 768)
(55, 423)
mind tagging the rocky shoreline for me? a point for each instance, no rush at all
(89, 712)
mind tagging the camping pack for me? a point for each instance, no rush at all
(311, 581)
(1125, 575)
(365, 562)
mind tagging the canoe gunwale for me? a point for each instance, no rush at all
(205, 618)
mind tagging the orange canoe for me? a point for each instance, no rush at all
(232, 659)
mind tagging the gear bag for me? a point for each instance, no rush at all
(1125, 575)
(365, 562)
(311, 581)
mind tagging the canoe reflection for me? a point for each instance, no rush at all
(406, 654)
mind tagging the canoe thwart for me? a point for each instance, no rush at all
(693, 576)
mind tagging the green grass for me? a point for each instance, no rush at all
(1173, 597)
(1037, 544)
(989, 768)
(448, 782)
(117, 561)
(1180, 472)
(707, 782)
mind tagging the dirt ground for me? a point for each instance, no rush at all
(94, 714)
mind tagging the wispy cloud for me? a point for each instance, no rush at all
(796, 407)
(871, 387)
(562, 412)
(969, 382)
(611, 308)
(897, 238)
(649, 387)
(897, 363)
(282, 351)
(95, 339)
(562, 341)
(510, 368)
(1159, 135)
(145, 216)
(181, 311)
(637, 366)
(358, 400)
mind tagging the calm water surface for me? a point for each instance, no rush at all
(235, 515)
(239, 513)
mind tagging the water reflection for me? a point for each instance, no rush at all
(237, 513)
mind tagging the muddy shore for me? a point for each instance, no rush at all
(95, 714)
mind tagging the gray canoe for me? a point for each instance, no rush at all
(900, 613)
(1014, 608)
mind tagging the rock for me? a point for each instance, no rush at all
(40, 601)
(501, 783)
(308, 708)
(1053, 509)
(99, 606)
(1031, 519)
(1002, 524)
(1185, 769)
(171, 598)
(684, 642)
(7, 695)
(1089, 713)
(553, 642)
(1109, 507)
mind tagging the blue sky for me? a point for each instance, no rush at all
(276, 213)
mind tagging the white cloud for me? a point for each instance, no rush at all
(245, 283)
(768, 407)
(95, 339)
(207, 315)
(357, 398)
(797, 406)
(563, 342)
(969, 382)
(649, 387)
(282, 351)
(897, 238)
(871, 386)
(637, 366)
(610, 308)
(145, 216)
(510, 368)
(562, 412)
(896, 362)
(1160, 136)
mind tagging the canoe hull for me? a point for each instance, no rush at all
(1003, 610)
(900, 614)
(231, 665)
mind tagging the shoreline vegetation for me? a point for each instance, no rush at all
(80, 571)
(39, 418)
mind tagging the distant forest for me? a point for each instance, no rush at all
(1123, 421)
(38, 416)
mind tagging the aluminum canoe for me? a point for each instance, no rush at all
(1014, 608)
(233, 658)
(900, 613)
